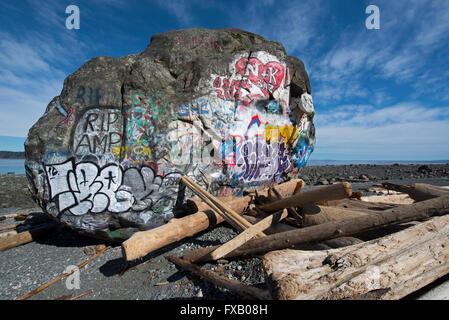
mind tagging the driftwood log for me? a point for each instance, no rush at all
(332, 192)
(348, 227)
(20, 238)
(275, 228)
(418, 191)
(144, 242)
(248, 234)
(316, 214)
(204, 254)
(359, 205)
(386, 268)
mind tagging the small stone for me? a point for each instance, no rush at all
(364, 177)
(323, 182)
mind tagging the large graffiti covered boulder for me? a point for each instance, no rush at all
(226, 107)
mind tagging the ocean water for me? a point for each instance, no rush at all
(17, 166)
(377, 162)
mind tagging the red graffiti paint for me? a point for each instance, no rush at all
(267, 77)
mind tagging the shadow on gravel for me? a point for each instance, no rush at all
(64, 237)
(119, 266)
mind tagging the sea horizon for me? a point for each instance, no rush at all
(17, 166)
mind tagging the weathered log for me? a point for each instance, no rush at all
(12, 226)
(276, 228)
(297, 219)
(219, 207)
(418, 191)
(314, 214)
(387, 268)
(144, 242)
(248, 234)
(8, 234)
(347, 227)
(232, 285)
(17, 214)
(24, 237)
(332, 192)
(359, 205)
(204, 254)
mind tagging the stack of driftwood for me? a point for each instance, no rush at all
(325, 243)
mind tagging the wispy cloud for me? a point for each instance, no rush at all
(405, 131)
(294, 24)
(179, 8)
(402, 50)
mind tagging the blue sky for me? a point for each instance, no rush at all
(378, 94)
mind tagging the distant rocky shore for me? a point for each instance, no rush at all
(12, 155)
(323, 175)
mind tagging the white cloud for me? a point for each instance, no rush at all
(294, 24)
(178, 8)
(406, 131)
(406, 46)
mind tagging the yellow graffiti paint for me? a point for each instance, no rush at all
(286, 133)
(133, 151)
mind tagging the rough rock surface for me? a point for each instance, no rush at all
(226, 107)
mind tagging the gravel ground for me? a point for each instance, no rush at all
(24, 268)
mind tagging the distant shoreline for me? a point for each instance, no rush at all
(16, 155)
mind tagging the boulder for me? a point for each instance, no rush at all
(226, 107)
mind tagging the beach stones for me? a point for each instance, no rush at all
(226, 107)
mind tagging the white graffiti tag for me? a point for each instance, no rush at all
(84, 187)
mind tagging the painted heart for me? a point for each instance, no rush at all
(267, 77)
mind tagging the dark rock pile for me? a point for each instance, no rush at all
(323, 175)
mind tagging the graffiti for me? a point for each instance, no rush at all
(267, 77)
(261, 161)
(307, 103)
(67, 114)
(195, 41)
(90, 96)
(141, 114)
(252, 80)
(153, 191)
(228, 89)
(98, 131)
(85, 187)
(133, 152)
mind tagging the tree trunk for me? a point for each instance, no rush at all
(418, 191)
(315, 214)
(333, 192)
